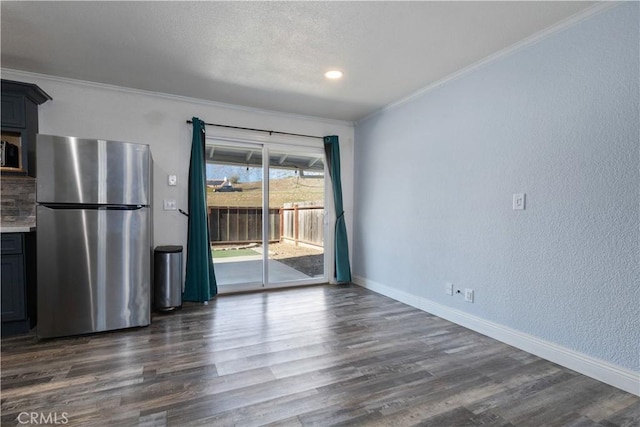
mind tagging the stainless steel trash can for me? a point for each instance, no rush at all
(167, 277)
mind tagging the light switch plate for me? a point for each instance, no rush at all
(172, 180)
(519, 201)
(170, 205)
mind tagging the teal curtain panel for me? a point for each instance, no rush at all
(332, 152)
(200, 285)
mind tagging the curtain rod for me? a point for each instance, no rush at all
(270, 132)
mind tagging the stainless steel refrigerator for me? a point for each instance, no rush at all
(93, 232)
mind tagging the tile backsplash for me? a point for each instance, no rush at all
(17, 201)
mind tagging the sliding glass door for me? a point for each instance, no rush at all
(234, 201)
(296, 191)
(266, 215)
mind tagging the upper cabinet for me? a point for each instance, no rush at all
(20, 126)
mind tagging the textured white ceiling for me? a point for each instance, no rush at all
(268, 55)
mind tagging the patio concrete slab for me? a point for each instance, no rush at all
(250, 271)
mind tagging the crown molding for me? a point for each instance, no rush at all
(528, 41)
(105, 86)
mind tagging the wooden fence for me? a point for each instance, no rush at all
(241, 224)
(302, 223)
(295, 223)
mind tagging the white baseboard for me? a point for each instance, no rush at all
(600, 370)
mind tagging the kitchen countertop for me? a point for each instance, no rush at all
(17, 228)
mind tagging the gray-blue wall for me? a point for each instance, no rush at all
(557, 119)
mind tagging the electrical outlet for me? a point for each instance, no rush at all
(519, 201)
(170, 205)
(468, 295)
(448, 288)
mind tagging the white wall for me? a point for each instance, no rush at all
(557, 119)
(88, 110)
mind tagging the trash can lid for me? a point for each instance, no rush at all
(170, 249)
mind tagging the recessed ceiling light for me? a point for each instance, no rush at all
(333, 74)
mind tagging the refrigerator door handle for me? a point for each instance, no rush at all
(122, 208)
(93, 207)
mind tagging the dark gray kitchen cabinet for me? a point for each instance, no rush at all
(17, 282)
(13, 297)
(20, 103)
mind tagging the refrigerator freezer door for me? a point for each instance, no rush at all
(87, 171)
(93, 270)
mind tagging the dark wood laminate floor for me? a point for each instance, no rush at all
(314, 356)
